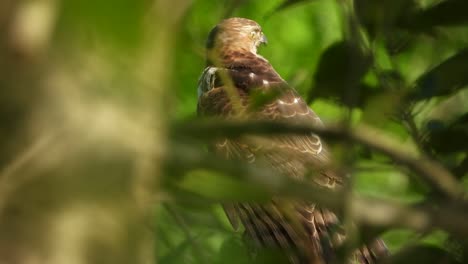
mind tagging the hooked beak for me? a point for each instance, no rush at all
(264, 39)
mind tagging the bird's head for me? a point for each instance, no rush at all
(236, 34)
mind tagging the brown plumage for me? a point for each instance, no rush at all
(234, 74)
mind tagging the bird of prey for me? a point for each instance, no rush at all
(235, 73)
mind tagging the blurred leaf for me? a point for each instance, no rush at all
(288, 3)
(261, 97)
(271, 256)
(378, 16)
(188, 198)
(233, 250)
(385, 16)
(220, 187)
(448, 138)
(399, 41)
(341, 67)
(379, 108)
(414, 22)
(444, 79)
(445, 13)
(422, 254)
(177, 254)
(383, 102)
(461, 169)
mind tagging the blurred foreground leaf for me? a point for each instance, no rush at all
(422, 254)
(381, 16)
(448, 138)
(444, 13)
(444, 79)
(339, 72)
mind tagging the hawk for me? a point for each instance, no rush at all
(234, 76)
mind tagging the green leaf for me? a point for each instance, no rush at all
(233, 250)
(262, 97)
(387, 16)
(448, 138)
(341, 68)
(380, 16)
(444, 79)
(177, 254)
(422, 254)
(383, 102)
(446, 13)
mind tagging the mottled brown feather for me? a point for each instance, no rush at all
(306, 233)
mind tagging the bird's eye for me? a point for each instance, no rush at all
(253, 33)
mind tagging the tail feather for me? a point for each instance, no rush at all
(312, 240)
(372, 252)
(331, 235)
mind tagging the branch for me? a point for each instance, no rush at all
(431, 171)
(374, 212)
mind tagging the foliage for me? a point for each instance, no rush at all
(103, 158)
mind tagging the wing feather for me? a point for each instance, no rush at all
(307, 233)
